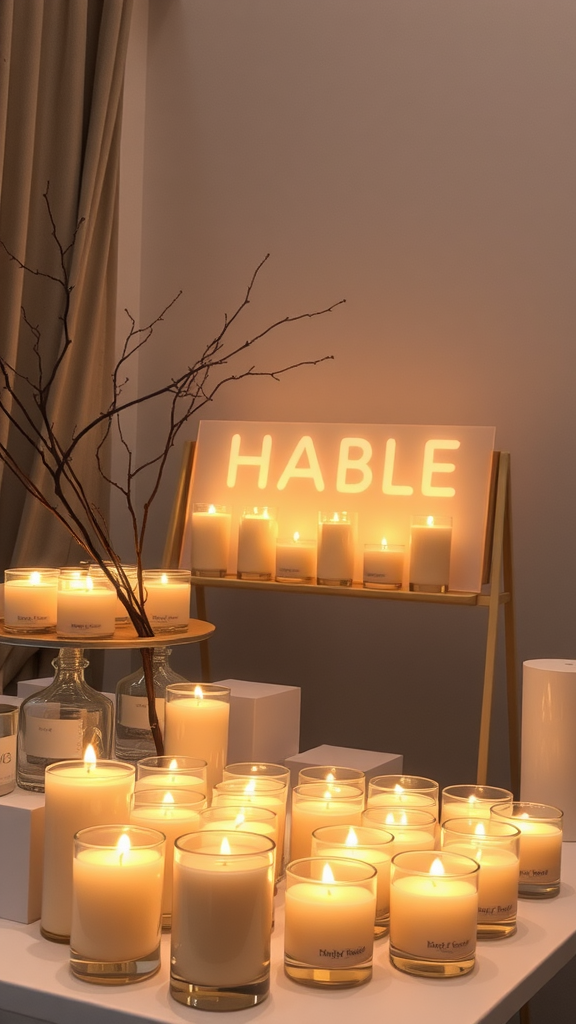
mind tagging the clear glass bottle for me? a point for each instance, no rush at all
(133, 736)
(58, 722)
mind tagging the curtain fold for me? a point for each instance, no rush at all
(61, 78)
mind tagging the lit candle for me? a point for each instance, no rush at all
(413, 828)
(471, 801)
(86, 605)
(383, 565)
(259, 791)
(430, 542)
(173, 814)
(169, 773)
(117, 892)
(371, 845)
(335, 549)
(257, 543)
(78, 794)
(494, 846)
(315, 804)
(222, 915)
(30, 600)
(433, 910)
(330, 909)
(540, 845)
(296, 559)
(210, 539)
(167, 599)
(197, 717)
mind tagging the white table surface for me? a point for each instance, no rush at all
(35, 979)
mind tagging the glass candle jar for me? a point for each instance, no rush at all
(197, 718)
(413, 828)
(430, 544)
(383, 567)
(321, 803)
(168, 773)
(471, 801)
(332, 773)
(403, 791)
(335, 549)
(540, 845)
(30, 597)
(210, 539)
(359, 842)
(257, 534)
(86, 606)
(167, 599)
(494, 845)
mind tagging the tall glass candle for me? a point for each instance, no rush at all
(78, 794)
(210, 539)
(222, 919)
(540, 845)
(335, 549)
(257, 543)
(430, 543)
(330, 909)
(433, 911)
(117, 893)
(30, 600)
(494, 845)
(197, 718)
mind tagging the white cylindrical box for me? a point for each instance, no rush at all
(548, 768)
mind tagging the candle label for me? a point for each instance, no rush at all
(451, 946)
(53, 738)
(7, 759)
(134, 712)
(496, 912)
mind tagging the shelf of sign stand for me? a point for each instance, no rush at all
(125, 638)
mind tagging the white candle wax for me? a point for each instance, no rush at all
(173, 820)
(77, 796)
(296, 559)
(497, 880)
(433, 917)
(270, 798)
(404, 799)
(171, 780)
(116, 903)
(167, 602)
(430, 553)
(329, 925)
(473, 807)
(30, 603)
(540, 851)
(257, 545)
(383, 566)
(369, 855)
(210, 540)
(310, 814)
(86, 610)
(336, 551)
(222, 915)
(198, 726)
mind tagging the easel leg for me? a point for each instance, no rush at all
(200, 592)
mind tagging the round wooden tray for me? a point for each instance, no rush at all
(124, 638)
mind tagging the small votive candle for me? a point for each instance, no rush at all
(321, 803)
(335, 549)
(8, 734)
(116, 903)
(430, 543)
(167, 599)
(471, 801)
(296, 560)
(30, 598)
(359, 842)
(257, 543)
(540, 845)
(86, 605)
(270, 792)
(413, 828)
(403, 791)
(332, 773)
(494, 845)
(222, 919)
(197, 718)
(433, 913)
(330, 909)
(168, 773)
(383, 566)
(210, 539)
(126, 576)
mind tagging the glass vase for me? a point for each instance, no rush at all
(133, 736)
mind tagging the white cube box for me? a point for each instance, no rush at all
(371, 762)
(264, 721)
(21, 855)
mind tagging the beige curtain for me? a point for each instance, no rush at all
(61, 76)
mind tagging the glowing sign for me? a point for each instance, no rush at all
(383, 474)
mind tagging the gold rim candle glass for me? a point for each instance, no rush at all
(495, 846)
(412, 827)
(433, 913)
(173, 813)
(197, 719)
(330, 909)
(471, 801)
(167, 599)
(358, 842)
(30, 599)
(540, 845)
(222, 919)
(335, 565)
(332, 773)
(321, 803)
(118, 873)
(257, 534)
(168, 773)
(210, 539)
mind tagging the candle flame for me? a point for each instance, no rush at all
(330, 777)
(89, 758)
(390, 819)
(34, 578)
(437, 867)
(250, 787)
(351, 838)
(173, 766)
(168, 798)
(296, 536)
(384, 542)
(472, 799)
(199, 693)
(123, 847)
(480, 830)
(430, 521)
(225, 847)
(335, 518)
(327, 874)
(211, 510)
(163, 579)
(239, 819)
(327, 795)
(89, 582)
(398, 789)
(524, 815)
